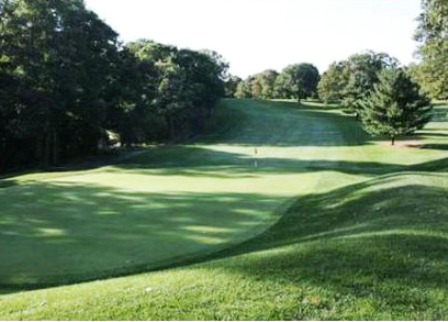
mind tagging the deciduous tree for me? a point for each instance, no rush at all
(333, 82)
(231, 85)
(297, 81)
(433, 34)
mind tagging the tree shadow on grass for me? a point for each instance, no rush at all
(251, 124)
(422, 135)
(384, 240)
(435, 146)
(62, 233)
(258, 123)
(360, 208)
(196, 161)
(6, 183)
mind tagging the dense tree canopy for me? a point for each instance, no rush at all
(66, 83)
(294, 82)
(395, 106)
(433, 34)
(353, 80)
(266, 81)
(297, 81)
(243, 89)
(231, 85)
(62, 60)
(333, 82)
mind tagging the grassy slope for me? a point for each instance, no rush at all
(154, 209)
(365, 238)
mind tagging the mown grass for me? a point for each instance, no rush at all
(364, 239)
(154, 209)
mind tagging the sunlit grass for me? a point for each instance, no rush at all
(365, 236)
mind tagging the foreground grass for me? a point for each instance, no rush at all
(364, 239)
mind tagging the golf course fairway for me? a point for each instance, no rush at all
(289, 211)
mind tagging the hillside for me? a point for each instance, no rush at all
(289, 212)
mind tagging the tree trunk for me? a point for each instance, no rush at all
(393, 140)
(169, 121)
(209, 109)
(40, 148)
(47, 149)
(55, 148)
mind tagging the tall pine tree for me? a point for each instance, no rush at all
(396, 106)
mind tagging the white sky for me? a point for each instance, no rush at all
(254, 35)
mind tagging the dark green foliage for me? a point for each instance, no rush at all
(396, 106)
(261, 85)
(244, 88)
(67, 83)
(180, 89)
(351, 81)
(62, 58)
(231, 85)
(363, 70)
(294, 82)
(433, 34)
(333, 82)
(297, 82)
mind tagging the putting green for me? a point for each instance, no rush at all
(363, 238)
(159, 208)
(176, 203)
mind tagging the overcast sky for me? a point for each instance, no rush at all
(254, 35)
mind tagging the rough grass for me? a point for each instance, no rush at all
(365, 237)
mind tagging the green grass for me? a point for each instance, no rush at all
(330, 225)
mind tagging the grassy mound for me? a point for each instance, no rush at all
(364, 239)
(159, 208)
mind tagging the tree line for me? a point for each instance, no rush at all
(371, 86)
(389, 99)
(432, 33)
(68, 85)
(351, 80)
(297, 81)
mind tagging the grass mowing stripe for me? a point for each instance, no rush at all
(365, 238)
(144, 213)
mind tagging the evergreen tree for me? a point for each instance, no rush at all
(363, 70)
(396, 106)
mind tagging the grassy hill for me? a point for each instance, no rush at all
(289, 212)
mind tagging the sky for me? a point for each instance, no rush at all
(255, 35)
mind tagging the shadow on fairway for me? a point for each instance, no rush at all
(198, 161)
(374, 240)
(64, 232)
(6, 183)
(251, 123)
(444, 135)
(366, 207)
(377, 234)
(435, 146)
